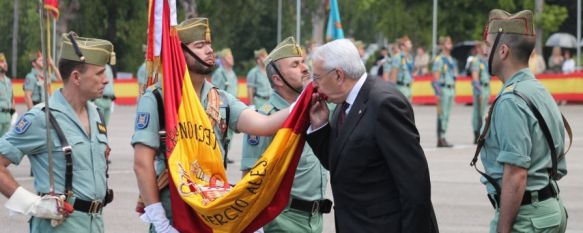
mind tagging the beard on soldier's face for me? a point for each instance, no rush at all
(197, 67)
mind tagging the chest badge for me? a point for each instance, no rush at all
(101, 128)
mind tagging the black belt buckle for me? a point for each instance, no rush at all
(94, 207)
(315, 207)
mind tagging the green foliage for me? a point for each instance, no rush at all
(245, 26)
(551, 18)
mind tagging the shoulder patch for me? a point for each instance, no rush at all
(22, 125)
(142, 120)
(253, 140)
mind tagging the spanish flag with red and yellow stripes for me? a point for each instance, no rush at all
(202, 199)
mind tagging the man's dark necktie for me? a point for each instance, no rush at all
(342, 115)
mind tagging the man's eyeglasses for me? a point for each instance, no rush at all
(318, 77)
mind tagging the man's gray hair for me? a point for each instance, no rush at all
(340, 54)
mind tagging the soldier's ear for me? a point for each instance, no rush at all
(75, 76)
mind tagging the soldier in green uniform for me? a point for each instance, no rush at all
(481, 88)
(105, 102)
(6, 97)
(80, 183)
(309, 187)
(34, 80)
(148, 143)
(402, 67)
(142, 75)
(224, 77)
(520, 172)
(443, 84)
(258, 88)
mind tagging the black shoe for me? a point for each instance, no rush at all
(443, 143)
(230, 161)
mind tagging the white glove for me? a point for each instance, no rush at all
(156, 215)
(27, 203)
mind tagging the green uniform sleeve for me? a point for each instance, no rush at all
(28, 136)
(252, 78)
(29, 82)
(146, 125)
(236, 107)
(512, 132)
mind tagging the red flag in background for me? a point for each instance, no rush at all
(53, 7)
(201, 197)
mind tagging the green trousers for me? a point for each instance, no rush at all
(295, 221)
(77, 222)
(480, 108)
(444, 109)
(548, 216)
(4, 127)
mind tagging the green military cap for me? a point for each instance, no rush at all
(501, 21)
(32, 56)
(89, 50)
(285, 48)
(225, 52)
(194, 29)
(2, 57)
(260, 52)
(443, 39)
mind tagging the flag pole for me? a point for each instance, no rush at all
(46, 100)
(298, 19)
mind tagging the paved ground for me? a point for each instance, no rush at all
(458, 197)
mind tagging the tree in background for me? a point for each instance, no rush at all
(245, 26)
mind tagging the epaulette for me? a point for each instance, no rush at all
(266, 108)
(509, 88)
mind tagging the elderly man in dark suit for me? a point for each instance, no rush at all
(379, 174)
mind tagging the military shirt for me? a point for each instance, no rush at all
(445, 65)
(147, 123)
(515, 135)
(34, 84)
(310, 179)
(225, 80)
(404, 65)
(28, 137)
(259, 81)
(142, 75)
(109, 91)
(480, 65)
(6, 96)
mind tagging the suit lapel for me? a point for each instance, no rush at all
(352, 119)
